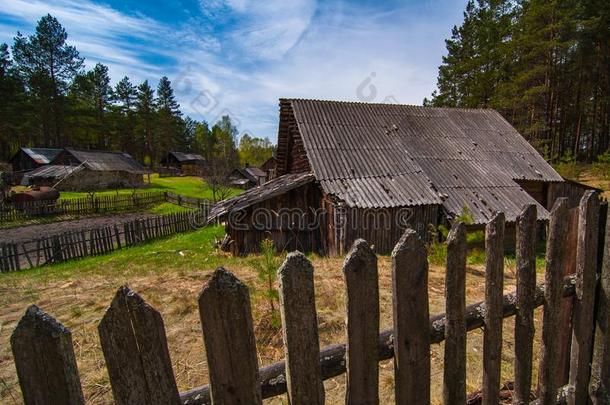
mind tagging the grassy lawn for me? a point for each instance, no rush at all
(169, 274)
(188, 186)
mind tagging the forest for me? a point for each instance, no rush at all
(50, 100)
(543, 64)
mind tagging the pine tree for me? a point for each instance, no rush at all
(169, 124)
(48, 66)
(125, 98)
(145, 113)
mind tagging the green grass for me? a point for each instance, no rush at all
(187, 186)
(168, 208)
(187, 251)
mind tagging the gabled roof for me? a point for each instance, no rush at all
(250, 173)
(104, 160)
(187, 157)
(41, 156)
(388, 155)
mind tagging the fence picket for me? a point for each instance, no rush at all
(550, 373)
(494, 284)
(411, 320)
(526, 289)
(599, 386)
(362, 307)
(454, 380)
(300, 330)
(226, 320)
(134, 344)
(45, 361)
(584, 299)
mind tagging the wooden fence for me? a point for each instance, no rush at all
(80, 206)
(133, 339)
(90, 242)
(188, 202)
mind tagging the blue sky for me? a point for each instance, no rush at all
(238, 57)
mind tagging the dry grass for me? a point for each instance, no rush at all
(79, 298)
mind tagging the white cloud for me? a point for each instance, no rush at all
(241, 56)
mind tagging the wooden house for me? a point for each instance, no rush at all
(189, 164)
(356, 170)
(269, 167)
(85, 170)
(247, 177)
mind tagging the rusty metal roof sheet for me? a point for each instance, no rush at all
(270, 189)
(385, 155)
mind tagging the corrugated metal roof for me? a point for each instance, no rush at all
(56, 172)
(107, 161)
(270, 189)
(386, 155)
(41, 155)
(187, 157)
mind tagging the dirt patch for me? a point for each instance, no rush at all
(30, 232)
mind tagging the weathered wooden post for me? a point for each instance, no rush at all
(454, 377)
(134, 344)
(411, 320)
(230, 346)
(494, 285)
(550, 373)
(584, 300)
(526, 291)
(362, 307)
(300, 331)
(45, 361)
(599, 386)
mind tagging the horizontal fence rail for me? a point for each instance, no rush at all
(96, 241)
(133, 338)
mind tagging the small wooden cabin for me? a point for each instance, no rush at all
(189, 164)
(247, 177)
(373, 170)
(97, 170)
(269, 167)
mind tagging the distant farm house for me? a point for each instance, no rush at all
(356, 170)
(27, 159)
(86, 170)
(189, 164)
(269, 167)
(247, 177)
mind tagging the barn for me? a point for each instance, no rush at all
(27, 159)
(189, 164)
(91, 170)
(357, 170)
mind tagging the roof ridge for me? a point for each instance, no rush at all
(384, 104)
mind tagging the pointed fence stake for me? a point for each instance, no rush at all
(133, 340)
(45, 361)
(362, 363)
(300, 331)
(230, 346)
(411, 320)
